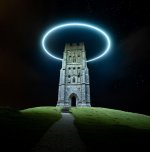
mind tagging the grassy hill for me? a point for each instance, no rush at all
(99, 128)
(102, 128)
(21, 130)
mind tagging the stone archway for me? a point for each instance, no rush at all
(73, 98)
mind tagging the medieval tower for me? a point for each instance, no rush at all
(74, 85)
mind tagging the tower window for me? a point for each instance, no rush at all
(78, 67)
(70, 58)
(73, 68)
(74, 59)
(68, 76)
(69, 68)
(74, 80)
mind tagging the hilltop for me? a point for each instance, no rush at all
(98, 127)
(102, 128)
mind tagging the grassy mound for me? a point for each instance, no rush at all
(21, 130)
(99, 128)
(42, 117)
(102, 128)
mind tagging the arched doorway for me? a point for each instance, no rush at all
(73, 98)
(73, 101)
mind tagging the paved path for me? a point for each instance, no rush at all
(61, 137)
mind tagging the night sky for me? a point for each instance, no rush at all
(28, 77)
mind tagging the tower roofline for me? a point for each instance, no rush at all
(77, 44)
(70, 46)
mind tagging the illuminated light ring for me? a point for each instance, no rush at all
(78, 25)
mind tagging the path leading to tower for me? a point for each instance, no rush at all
(61, 137)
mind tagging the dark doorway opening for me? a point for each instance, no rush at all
(73, 101)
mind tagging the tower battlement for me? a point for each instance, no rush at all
(70, 47)
(74, 77)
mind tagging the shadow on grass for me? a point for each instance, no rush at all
(114, 137)
(21, 131)
(109, 129)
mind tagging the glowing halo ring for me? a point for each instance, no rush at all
(79, 25)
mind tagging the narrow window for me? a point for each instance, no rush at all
(70, 58)
(74, 59)
(68, 78)
(74, 80)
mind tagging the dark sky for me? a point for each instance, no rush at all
(28, 77)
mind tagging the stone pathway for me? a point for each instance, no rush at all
(61, 137)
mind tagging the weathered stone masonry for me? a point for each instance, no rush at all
(74, 77)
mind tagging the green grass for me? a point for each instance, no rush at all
(42, 117)
(98, 127)
(105, 128)
(21, 130)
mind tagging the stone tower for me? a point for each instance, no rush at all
(74, 85)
